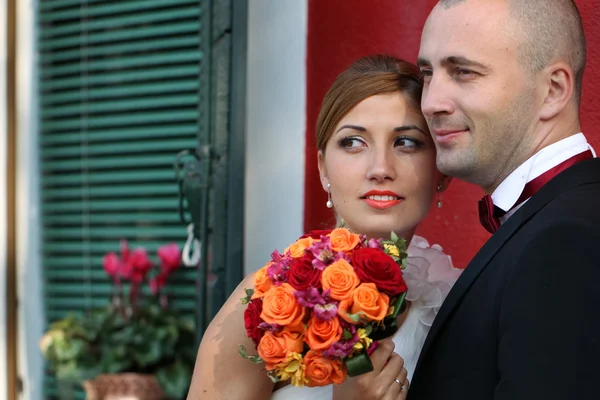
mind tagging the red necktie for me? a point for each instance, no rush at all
(489, 214)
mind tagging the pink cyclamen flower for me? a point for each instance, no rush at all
(124, 250)
(170, 257)
(112, 265)
(137, 265)
(157, 283)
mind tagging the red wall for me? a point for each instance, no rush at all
(340, 31)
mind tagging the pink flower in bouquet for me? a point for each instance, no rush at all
(375, 244)
(310, 297)
(326, 312)
(322, 253)
(278, 270)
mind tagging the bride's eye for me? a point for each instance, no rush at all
(408, 143)
(351, 142)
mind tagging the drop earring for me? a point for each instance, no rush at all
(439, 198)
(329, 202)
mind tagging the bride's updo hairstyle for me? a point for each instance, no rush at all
(366, 77)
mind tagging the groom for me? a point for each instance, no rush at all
(502, 95)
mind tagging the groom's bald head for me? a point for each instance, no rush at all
(547, 31)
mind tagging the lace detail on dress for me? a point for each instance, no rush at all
(429, 276)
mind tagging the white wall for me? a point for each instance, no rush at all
(28, 222)
(275, 127)
(3, 128)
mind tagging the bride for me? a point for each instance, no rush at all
(377, 164)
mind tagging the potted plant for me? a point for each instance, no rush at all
(137, 346)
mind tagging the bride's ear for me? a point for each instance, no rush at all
(322, 169)
(443, 182)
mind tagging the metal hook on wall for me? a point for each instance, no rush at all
(190, 256)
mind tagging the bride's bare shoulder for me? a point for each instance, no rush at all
(218, 359)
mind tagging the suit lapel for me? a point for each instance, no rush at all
(585, 172)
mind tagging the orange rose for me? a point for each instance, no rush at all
(281, 307)
(340, 278)
(297, 249)
(321, 334)
(262, 282)
(366, 300)
(321, 371)
(343, 240)
(274, 348)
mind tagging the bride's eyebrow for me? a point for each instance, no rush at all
(404, 128)
(354, 127)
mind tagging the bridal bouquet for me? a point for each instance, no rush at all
(317, 310)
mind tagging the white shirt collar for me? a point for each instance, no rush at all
(508, 192)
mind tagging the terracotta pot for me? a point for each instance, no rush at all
(128, 386)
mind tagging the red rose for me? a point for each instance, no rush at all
(302, 274)
(316, 234)
(252, 320)
(374, 266)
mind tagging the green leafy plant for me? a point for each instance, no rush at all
(140, 334)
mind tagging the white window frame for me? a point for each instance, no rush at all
(29, 281)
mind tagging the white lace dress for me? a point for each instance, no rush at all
(429, 277)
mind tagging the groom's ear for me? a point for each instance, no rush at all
(322, 169)
(559, 88)
(443, 182)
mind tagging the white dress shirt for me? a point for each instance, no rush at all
(508, 192)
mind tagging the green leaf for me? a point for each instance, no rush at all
(113, 364)
(355, 317)
(67, 371)
(346, 335)
(68, 349)
(273, 376)
(248, 298)
(148, 354)
(255, 359)
(394, 237)
(174, 379)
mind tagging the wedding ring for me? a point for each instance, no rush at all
(402, 387)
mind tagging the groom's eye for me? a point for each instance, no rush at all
(464, 73)
(427, 73)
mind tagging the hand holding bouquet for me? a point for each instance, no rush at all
(317, 310)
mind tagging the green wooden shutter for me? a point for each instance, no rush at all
(119, 97)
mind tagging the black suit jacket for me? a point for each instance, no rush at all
(523, 320)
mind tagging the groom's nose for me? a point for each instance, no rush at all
(436, 98)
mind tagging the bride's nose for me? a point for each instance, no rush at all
(381, 166)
